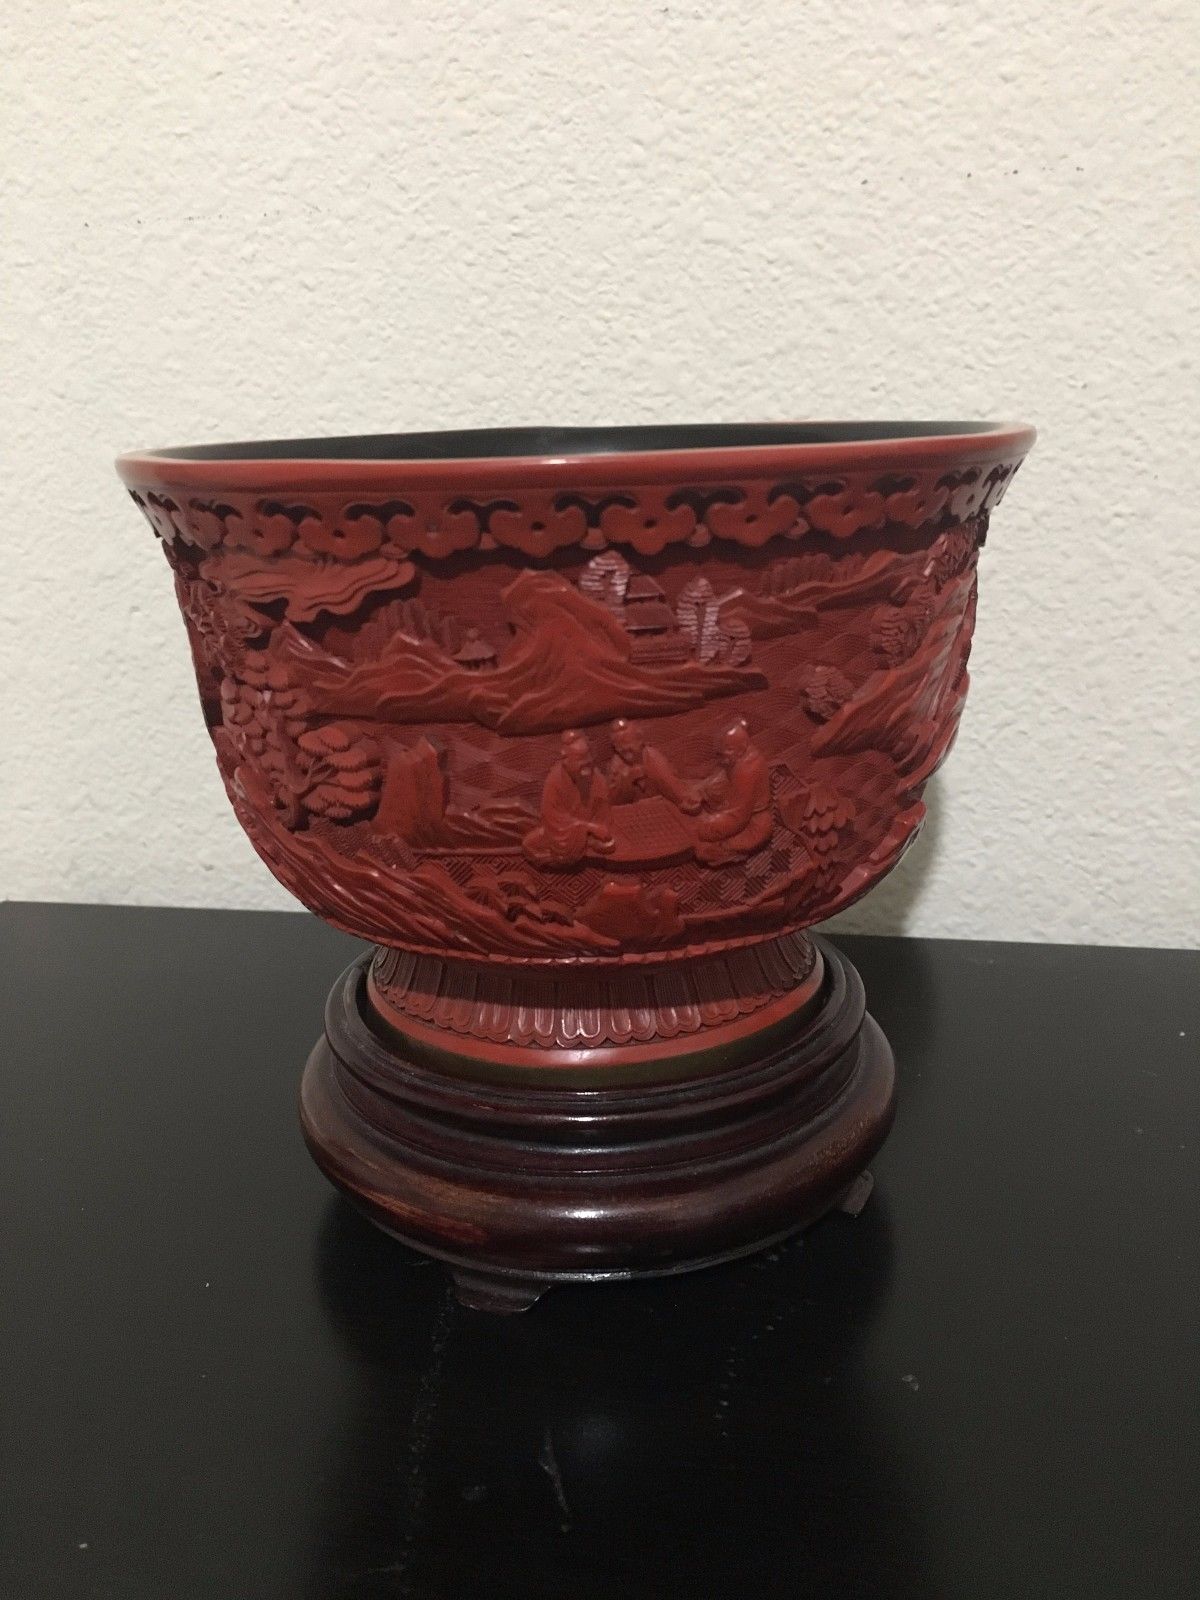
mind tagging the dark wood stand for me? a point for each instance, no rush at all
(519, 1181)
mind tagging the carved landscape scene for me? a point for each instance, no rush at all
(567, 731)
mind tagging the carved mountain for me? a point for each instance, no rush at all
(410, 680)
(569, 663)
(884, 575)
(414, 805)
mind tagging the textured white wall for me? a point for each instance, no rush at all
(246, 218)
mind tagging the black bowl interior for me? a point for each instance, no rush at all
(485, 442)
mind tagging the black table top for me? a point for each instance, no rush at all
(218, 1381)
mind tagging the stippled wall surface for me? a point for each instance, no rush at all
(242, 220)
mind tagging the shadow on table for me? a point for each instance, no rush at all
(717, 1434)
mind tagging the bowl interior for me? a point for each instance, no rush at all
(475, 443)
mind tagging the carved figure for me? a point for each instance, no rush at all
(575, 809)
(638, 770)
(736, 799)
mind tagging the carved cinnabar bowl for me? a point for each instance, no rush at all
(582, 729)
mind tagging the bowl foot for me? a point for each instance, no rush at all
(523, 1177)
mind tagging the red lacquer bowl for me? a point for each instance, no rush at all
(583, 728)
(531, 695)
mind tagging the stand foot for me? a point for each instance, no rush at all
(857, 1195)
(484, 1291)
(541, 1179)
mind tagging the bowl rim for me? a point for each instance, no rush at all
(745, 450)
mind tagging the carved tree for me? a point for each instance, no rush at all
(324, 772)
(897, 630)
(343, 773)
(820, 815)
(823, 692)
(698, 612)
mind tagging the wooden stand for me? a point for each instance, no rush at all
(523, 1176)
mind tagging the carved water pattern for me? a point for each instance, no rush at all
(551, 726)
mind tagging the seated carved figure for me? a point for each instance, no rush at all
(574, 809)
(736, 800)
(638, 770)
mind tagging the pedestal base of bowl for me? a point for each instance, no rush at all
(584, 1158)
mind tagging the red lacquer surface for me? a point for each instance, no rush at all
(683, 704)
